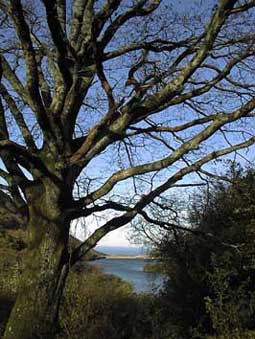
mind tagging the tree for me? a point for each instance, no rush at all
(211, 271)
(141, 92)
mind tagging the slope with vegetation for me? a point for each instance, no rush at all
(211, 287)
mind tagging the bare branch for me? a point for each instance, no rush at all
(122, 220)
(137, 11)
(55, 11)
(218, 121)
(163, 97)
(18, 118)
(32, 79)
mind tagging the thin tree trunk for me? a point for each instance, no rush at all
(35, 312)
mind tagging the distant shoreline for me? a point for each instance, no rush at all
(143, 257)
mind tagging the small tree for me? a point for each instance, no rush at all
(137, 91)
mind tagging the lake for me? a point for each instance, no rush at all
(129, 269)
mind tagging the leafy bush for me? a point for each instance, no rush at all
(211, 277)
(232, 304)
(97, 306)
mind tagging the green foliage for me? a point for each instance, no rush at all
(96, 306)
(211, 276)
(232, 305)
(157, 267)
(87, 303)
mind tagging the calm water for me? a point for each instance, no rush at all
(130, 269)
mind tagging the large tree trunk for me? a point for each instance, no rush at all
(46, 266)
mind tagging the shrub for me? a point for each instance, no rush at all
(97, 305)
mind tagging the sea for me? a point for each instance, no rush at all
(131, 270)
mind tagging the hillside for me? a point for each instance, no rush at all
(92, 255)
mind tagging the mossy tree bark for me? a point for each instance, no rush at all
(35, 312)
